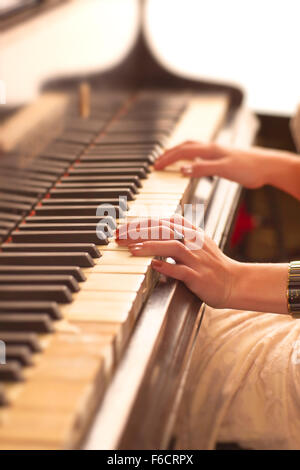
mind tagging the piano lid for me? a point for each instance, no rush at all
(104, 41)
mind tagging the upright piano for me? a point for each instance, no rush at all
(97, 347)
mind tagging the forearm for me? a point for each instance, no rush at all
(282, 170)
(259, 287)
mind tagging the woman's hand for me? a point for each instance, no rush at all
(247, 167)
(218, 280)
(200, 264)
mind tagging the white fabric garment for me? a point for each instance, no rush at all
(245, 382)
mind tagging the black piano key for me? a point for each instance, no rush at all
(50, 163)
(76, 137)
(84, 202)
(128, 139)
(94, 158)
(89, 248)
(63, 228)
(17, 198)
(71, 220)
(90, 125)
(132, 187)
(36, 323)
(3, 234)
(113, 211)
(48, 280)
(82, 260)
(96, 165)
(29, 174)
(109, 172)
(20, 354)
(14, 207)
(64, 149)
(53, 293)
(4, 225)
(74, 271)
(16, 187)
(23, 182)
(24, 307)
(10, 217)
(100, 194)
(30, 340)
(132, 182)
(11, 372)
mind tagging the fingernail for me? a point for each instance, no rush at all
(187, 170)
(156, 263)
(136, 247)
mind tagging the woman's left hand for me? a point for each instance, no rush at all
(200, 264)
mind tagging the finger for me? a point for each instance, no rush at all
(158, 230)
(190, 151)
(178, 219)
(205, 168)
(167, 249)
(176, 271)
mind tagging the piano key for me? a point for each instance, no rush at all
(53, 293)
(50, 259)
(99, 194)
(124, 164)
(64, 149)
(85, 202)
(74, 271)
(113, 211)
(84, 185)
(133, 158)
(127, 139)
(71, 220)
(64, 228)
(20, 354)
(27, 307)
(109, 172)
(89, 248)
(85, 236)
(48, 280)
(36, 323)
(30, 340)
(29, 174)
(3, 234)
(18, 187)
(15, 208)
(11, 372)
(50, 163)
(10, 217)
(91, 125)
(17, 198)
(78, 137)
(4, 225)
(132, 182)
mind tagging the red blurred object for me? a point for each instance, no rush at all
(245, 223)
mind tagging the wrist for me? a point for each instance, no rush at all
(259, 287)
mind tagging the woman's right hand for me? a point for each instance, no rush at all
(247, 167)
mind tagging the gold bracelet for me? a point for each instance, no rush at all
(293, 288)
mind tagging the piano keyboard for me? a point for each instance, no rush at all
(69, 300)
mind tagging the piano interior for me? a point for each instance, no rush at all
(97, 345)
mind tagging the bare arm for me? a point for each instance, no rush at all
(218, 280)
(252, 168)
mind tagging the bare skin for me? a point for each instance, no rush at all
(218, 280)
